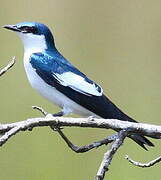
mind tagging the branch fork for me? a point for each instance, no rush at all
(123, 129)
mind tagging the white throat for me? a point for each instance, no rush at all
(32, 44)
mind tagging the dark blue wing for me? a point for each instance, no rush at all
(51, 70)
(57, 69)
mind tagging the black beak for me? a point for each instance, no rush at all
(12, 27)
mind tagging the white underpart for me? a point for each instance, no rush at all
(34, 44)
(78, 83)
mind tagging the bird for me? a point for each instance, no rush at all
(56, 79)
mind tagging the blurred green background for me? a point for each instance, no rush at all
(116, 43)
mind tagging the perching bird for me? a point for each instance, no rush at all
(55, 78)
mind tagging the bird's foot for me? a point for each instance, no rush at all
(49, 115)
(59, 114)
(56, 127)
(91, 118)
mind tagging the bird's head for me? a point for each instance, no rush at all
(33, 34)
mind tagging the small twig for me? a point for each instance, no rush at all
(9, 66)
(143, 165)
(40, 109)
(87, 147)
(108, 156)
(8, 130)
(56, 123)
(73, 147)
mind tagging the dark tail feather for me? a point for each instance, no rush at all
(104, 108)
(141, 140)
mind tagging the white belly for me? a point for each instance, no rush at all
(68, 106)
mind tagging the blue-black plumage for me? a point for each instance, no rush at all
(54, 77)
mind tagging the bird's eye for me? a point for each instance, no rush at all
(27, 29)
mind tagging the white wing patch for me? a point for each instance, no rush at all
(78, 83)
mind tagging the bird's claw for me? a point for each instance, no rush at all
(91, 118)
(49, 115)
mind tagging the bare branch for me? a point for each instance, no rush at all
(144, 165)
(40, 109)
(110, 153)
(56, 123)
(8, 130)
(87, 147)
(141, 128)
(9, 134)
(145, 129)
(9, 66)
(73, 147)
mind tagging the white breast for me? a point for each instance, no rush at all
(34, 44)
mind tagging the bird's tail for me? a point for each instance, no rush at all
(111, 111)
(141, 140)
